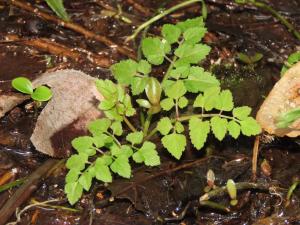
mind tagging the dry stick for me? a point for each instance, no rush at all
(171, 170)
(29, 186)
(62, 50)
(139, 7)
(254, 157)
(74, 27)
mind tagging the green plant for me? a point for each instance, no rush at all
(249, 59)
(110, 148)
(292, 59)
(57, 6)
(287, 118)
(24, 85)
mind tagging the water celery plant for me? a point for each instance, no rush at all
(110, 148)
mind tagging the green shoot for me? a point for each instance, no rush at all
(110, 149)
(57, 6)
(249, 59)
(292, 59)
(286, 119)
(24, 85)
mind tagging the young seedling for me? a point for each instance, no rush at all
(110, 148)
(24, 85)
(249, 59)
(232, 191)
(57, 6)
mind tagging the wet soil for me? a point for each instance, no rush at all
(168, 194)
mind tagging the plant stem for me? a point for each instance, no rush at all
(35, 202)
(159, 16)
(283, 20)
(239, 186)
(184, 118)
(131, 127)
(151, 133)
(167, 74)
(291, 190)
(12, 184)
(147, 124)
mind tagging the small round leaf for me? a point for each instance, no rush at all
(23, 85)
(42, 94)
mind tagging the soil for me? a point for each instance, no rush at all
(168, 194)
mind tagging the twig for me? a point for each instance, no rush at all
(73, 26)
(29, 186)
(139, 7)
(159, 16)
(255, 157)
(62, 50)
(19, 213)
(239, 186)
(167, 171)
(283, 20)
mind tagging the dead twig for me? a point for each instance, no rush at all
(62, 50)
(29, 186)
(139, 7)
(73, 26)
(255, 156)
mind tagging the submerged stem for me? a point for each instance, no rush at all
(159, 16)
(239, 186)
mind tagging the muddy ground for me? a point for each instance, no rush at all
(168, 194)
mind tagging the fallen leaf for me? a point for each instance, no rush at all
(73, 105)
(284, 97)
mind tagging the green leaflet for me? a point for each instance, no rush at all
(167, 104)
(200, 80)
(135, 137)
(147, 154)
(234, 129)
(171, 33)
(154, 50)
(219, 127)
(191, 53)
(175, 144)
(249, 126)
(176, 90)
(164, 126)
(121, 166)
(198, 132)
(74, 191)
(124, 71)
(241, 113)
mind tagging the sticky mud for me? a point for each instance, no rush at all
(168, 194)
